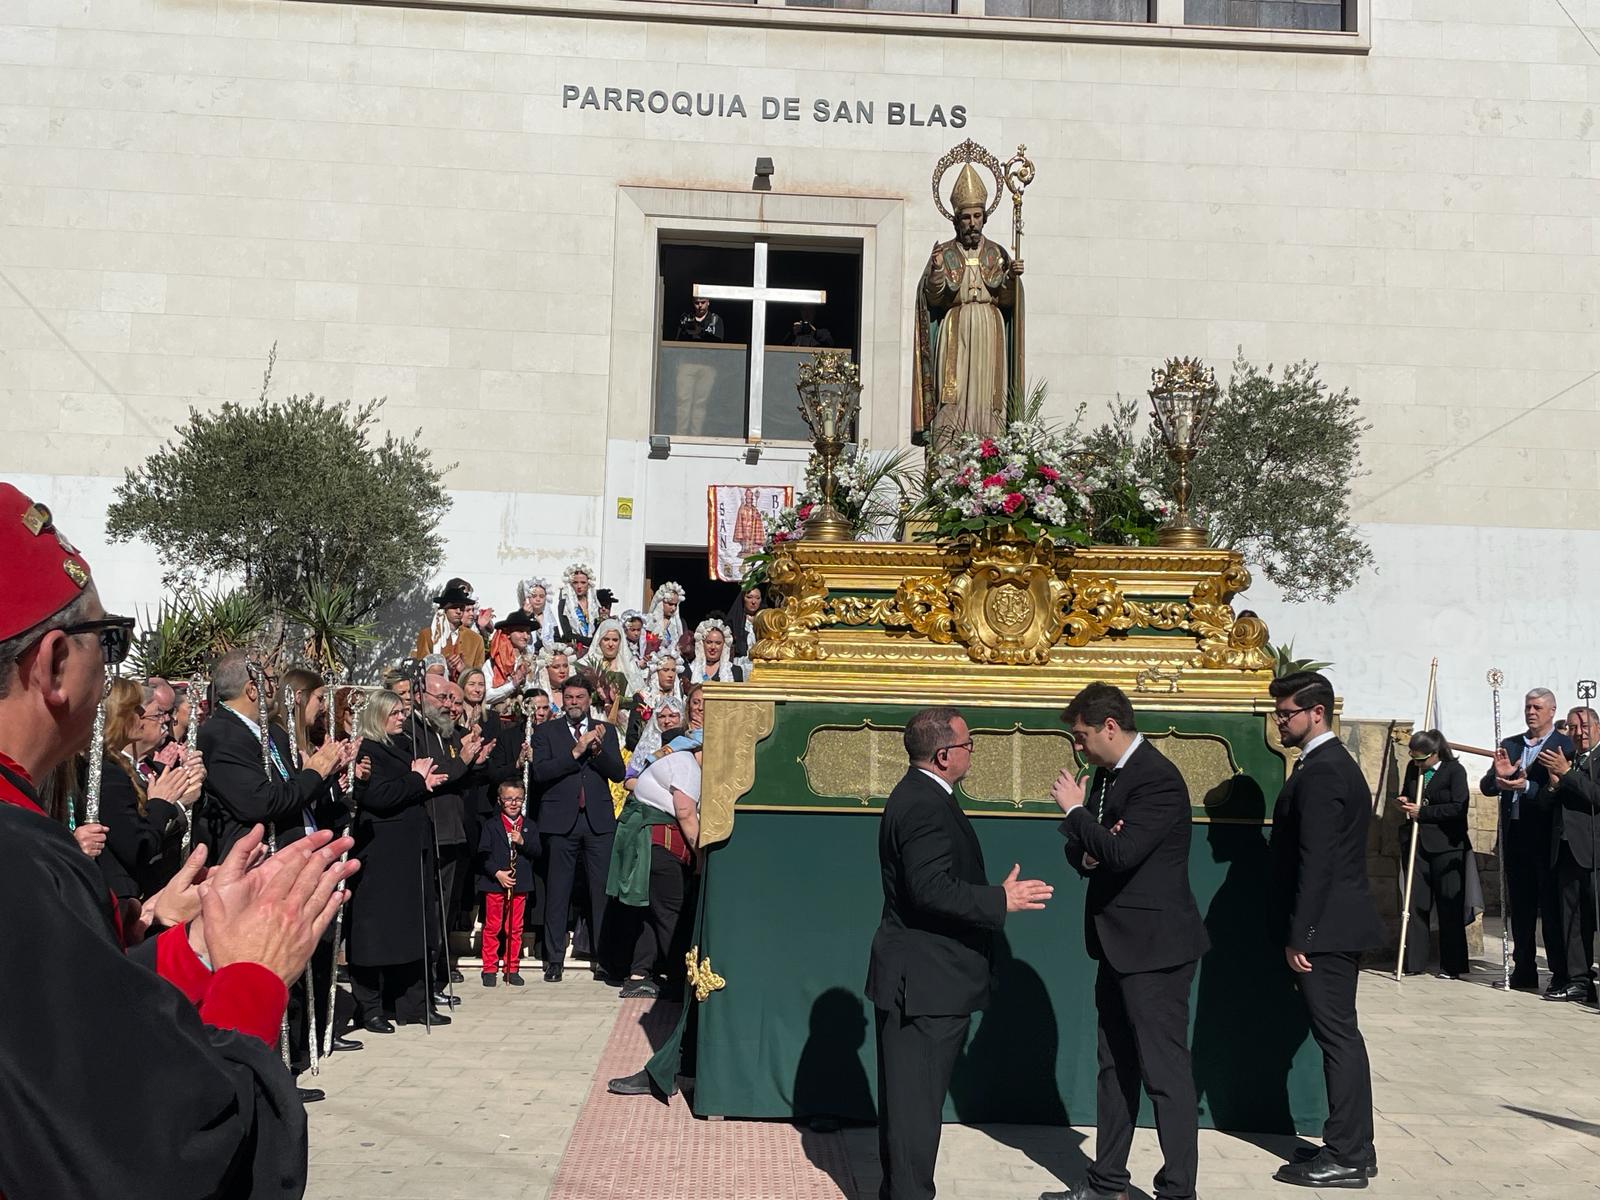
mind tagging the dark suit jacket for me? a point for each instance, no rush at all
(446, 806)
(1139, 914)
(1319, 851)
(1442, 819)
(561, 777)
(239, 793)
(1577, 799)
(494, 854)
(931, 954)
(1537, 806)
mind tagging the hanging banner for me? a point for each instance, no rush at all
(735, 528)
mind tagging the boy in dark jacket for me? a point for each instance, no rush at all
(507, 850)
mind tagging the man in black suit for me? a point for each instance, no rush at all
(1527, 823)
(1319, 851)
(1575, 794)
(1142, 925)
(929, 970)
(575, 760)
(240, 790)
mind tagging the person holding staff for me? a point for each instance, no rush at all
(1440, 820)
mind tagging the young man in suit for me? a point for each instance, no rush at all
(929, 970)
(1319, 851)
(1527, 823)
(1142, 925)
(1575, 802)
(575, 760)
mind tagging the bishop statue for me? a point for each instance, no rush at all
(969, 325)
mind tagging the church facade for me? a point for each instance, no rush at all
(499, 220)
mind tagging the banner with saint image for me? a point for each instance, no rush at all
(735, 528)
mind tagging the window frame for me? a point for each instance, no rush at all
(1167, 28)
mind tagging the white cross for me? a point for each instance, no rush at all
(758, 296)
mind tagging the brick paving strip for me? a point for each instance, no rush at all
(639, 1148)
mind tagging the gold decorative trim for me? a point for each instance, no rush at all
(733, 728)
(699, 975)
(1006, 601)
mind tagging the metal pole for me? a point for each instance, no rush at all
(1416, 835)
(1496, 677)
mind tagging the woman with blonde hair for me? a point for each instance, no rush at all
(144, 814)
(389, 916)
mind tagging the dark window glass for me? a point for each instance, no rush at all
(1328, 15)
(703, 383)
(1071, 10)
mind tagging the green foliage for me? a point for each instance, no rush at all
(330, 624)
(1274, 476)
(288, 493)
(1285, 663)
(187, 633)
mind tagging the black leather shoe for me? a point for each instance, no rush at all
(636, 989)
(1307, 1153)
(311, 1095)
(1576, 993)
(347, 1044)
(444, 1000)
(488, 979)
(377, 1025)
(1083, 1191)
(1520, 983)
(637, 1084)
(437, 1018)
(1447, 975)
(1322, 1170)
(456, 976)
(513, 979)
(552, 973)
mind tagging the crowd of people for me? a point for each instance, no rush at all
(533, 777)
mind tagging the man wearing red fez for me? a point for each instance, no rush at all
(154, 1074)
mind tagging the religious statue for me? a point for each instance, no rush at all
(969, 335)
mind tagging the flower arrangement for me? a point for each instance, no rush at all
(1044, 482)
(1028, 477)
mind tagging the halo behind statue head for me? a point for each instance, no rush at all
(969, 152)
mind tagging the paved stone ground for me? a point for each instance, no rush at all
(1479, 1094)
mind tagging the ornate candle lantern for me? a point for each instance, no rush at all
(1183, 396)
(830, 397)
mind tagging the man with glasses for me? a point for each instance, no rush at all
(124, 1084)
(1143, 927)
(1575, 795)
(929, 970)
(1319, 851)
(1527, 825)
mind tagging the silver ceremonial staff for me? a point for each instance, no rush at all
(193, 692)
(258, 676)
(1496, 678)
(357, 701)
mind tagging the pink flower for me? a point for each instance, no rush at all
(1049, 473)
(1011, 502)
(965, 477)
(988, 449)
(804, 513)
(996, 480)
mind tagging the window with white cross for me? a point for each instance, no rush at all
(737, 319)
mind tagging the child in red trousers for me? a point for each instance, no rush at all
(507, 851)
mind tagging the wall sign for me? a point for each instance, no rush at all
(822, 110)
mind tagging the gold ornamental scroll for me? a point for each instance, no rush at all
(732, 732)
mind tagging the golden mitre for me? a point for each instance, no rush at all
(969, 191)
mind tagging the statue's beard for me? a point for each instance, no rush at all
(969, 238)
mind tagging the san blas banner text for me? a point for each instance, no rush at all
(770, 108)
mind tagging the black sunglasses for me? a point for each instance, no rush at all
(115, 633)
